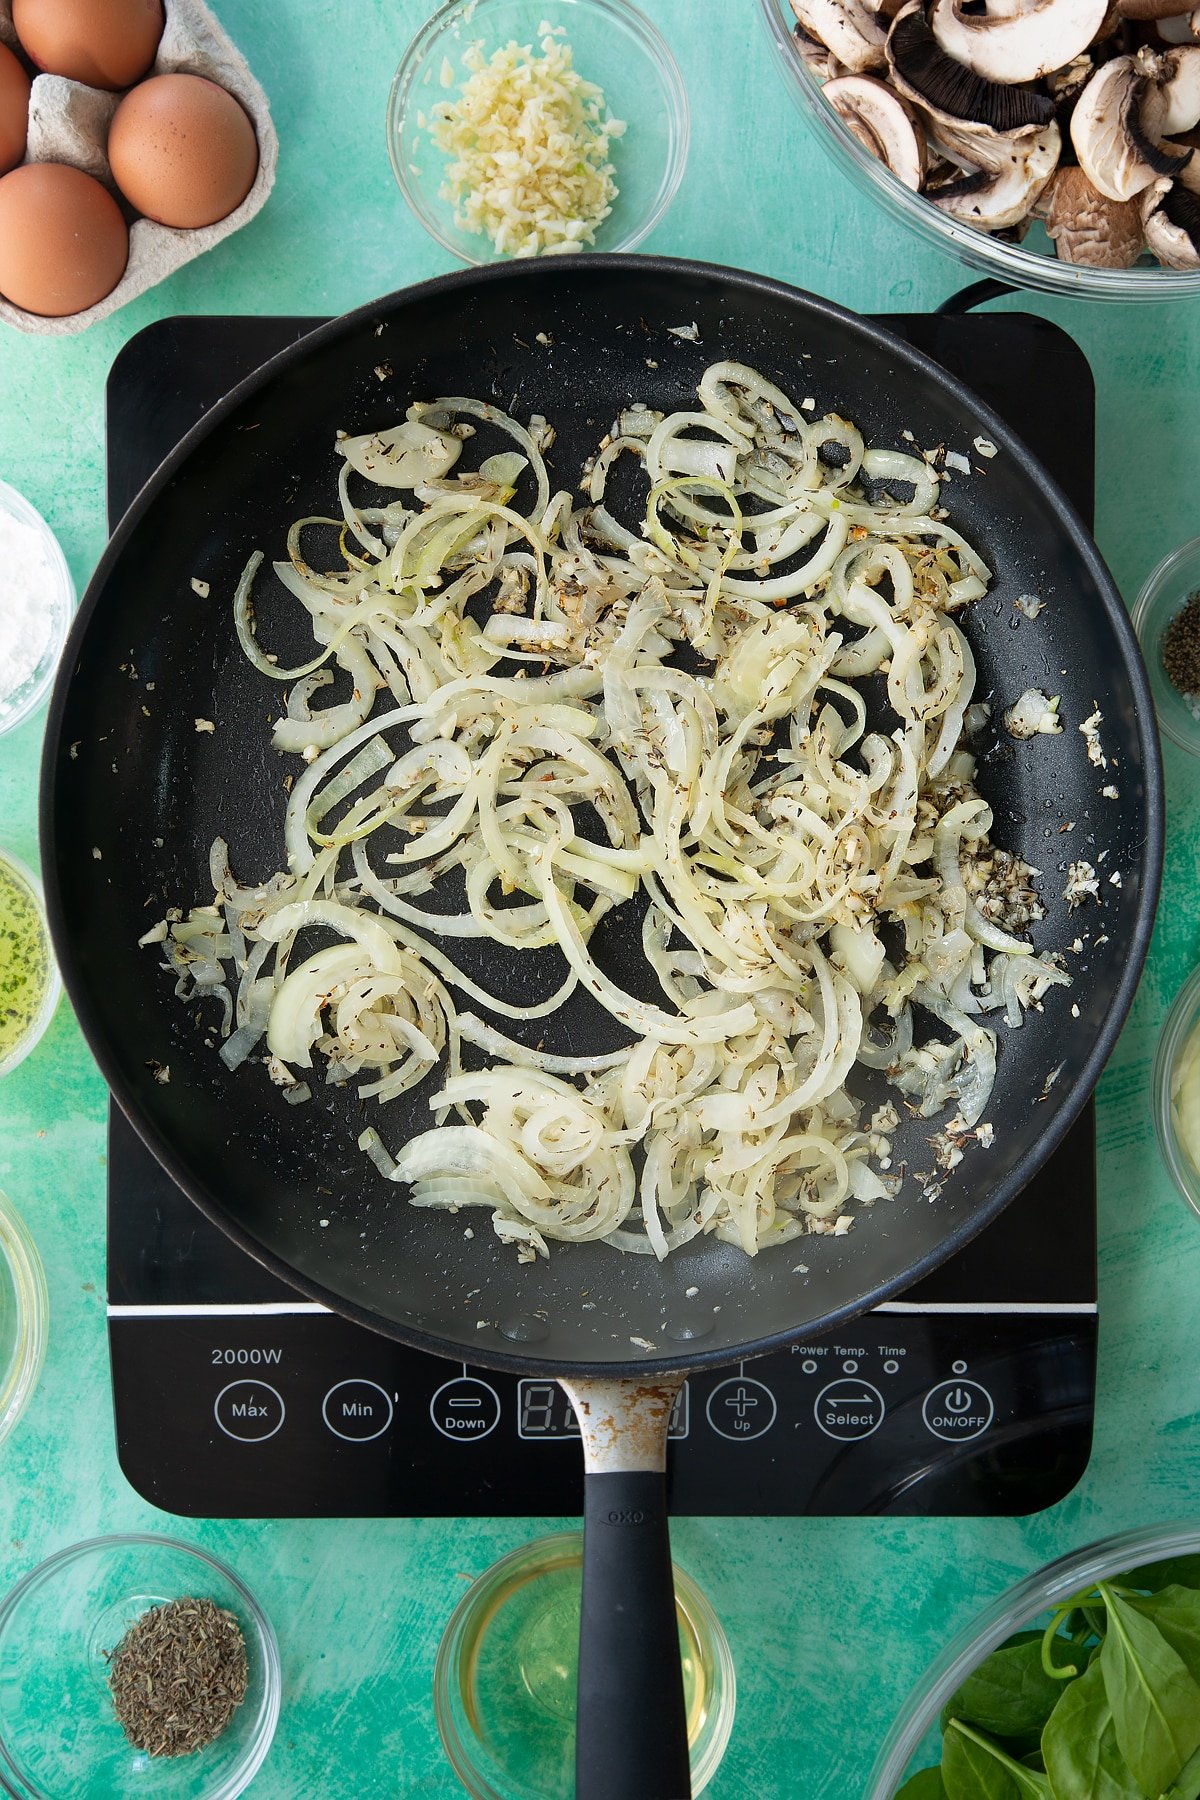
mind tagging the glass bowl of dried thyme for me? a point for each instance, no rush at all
(134, 1665)
(1166, 617)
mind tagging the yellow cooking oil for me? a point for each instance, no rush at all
(26, 965)
(518, 1676)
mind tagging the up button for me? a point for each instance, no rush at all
(957, 1411)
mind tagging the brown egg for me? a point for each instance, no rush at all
(182, 150)
(107, 43)
(14, 110)
(63, 241)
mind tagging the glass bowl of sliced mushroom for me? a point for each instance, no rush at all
(1053, 143)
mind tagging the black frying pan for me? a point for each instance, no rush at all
(133, 796)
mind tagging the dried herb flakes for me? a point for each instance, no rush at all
(1181, 647)
(178, 1676)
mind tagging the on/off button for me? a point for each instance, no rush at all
(957, 1411)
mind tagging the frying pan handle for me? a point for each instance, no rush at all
(631, 1722)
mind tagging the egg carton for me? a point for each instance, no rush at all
(68, 123)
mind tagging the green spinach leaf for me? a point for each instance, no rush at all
(1184, 1570)
(928, 1785)
(1187, 1785)
(1176, 1612)
(1010, 1693)
(1080, 1747)
(973, 1768)
(1025, 1743)
(1155, 1703)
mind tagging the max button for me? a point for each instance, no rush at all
(251, 1411)
(957, 1411)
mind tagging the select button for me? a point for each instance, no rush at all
(357, 1411)
(849, 1410)
(250, 1410)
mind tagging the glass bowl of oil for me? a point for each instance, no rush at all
(504, 1680)
(23, 1315)
(1176, 1089)
(29, 980)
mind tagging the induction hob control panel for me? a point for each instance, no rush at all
(958, 1398)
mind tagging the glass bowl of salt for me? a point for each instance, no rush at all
(1166, 617)
(37, 599)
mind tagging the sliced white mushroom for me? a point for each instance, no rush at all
(1151, 11)
(1117, 130)
(821, 62)
(1178, 74)
(1086, 227)
(947, 89)
(1180, 28)
(1015, 40)
(1066, 84)
(1189, 175)
(1171, 221)
(883, 122)
(979, 147)
(849, 29)
(1004, 193)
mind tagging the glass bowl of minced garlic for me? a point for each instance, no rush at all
(519, 130)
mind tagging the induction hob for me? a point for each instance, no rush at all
(234, 1397)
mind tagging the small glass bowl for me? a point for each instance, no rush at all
(504, 1680)
(24, 1314)
(59, 1736)
(1032, 264)
(1176, 1038)
(14, 875)
(914, 1741)
(58, 603)
(1164, 591)
(613, 44)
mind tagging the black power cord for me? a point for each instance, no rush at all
(975, 295)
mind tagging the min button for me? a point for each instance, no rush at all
(357, 1411)
(957, 1411)
(250, 1410)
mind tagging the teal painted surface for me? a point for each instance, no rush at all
(830, 1622)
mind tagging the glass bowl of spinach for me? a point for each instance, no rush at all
(1081, 1683)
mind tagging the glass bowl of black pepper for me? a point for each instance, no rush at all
(134, 1665)
(1166, 617)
